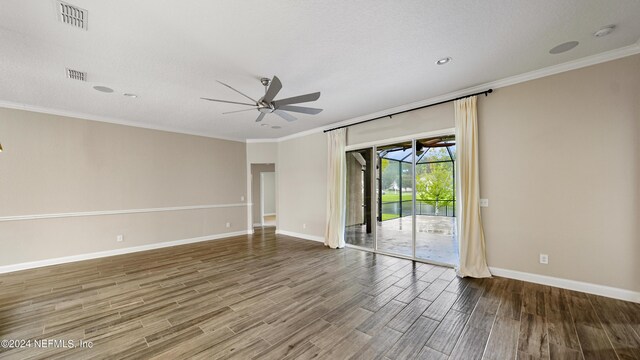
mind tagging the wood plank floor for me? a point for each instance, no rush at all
(276, 297)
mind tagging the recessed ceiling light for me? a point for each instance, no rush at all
(103, 89)
(263, 124)
(276, 127)
(604, 31)
(130, 95)
(443, 61)
(564, 47)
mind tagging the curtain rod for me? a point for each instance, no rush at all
(486, 93)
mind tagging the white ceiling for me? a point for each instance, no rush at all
(363, 55)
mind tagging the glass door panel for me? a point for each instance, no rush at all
(394, 192)
(407, 190)
(435, 200)
(359, 214)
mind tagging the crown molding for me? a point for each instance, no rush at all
(568, 66)
(512, 80)
(292, 136)
(306, 132)
(83, 116)
(257, 141)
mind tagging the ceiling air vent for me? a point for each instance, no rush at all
(72, 15)
(76, 75)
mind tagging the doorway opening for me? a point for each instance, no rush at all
(263, 194)
(412, 189)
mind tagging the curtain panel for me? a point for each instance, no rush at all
(473, 260)
(336, 191)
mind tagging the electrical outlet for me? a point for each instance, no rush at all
(120, 238)
(544, 259)
(484, 202)
(228, 225)
(304, 226)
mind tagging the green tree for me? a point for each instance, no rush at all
(435, 185)
(389, 173)
(407, 176)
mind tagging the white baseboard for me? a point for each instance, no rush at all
(585, 287)
(269, 214)
(590, 288)
(257, 224)
(101, 254)
(301, 236)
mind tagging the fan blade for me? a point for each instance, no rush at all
(297, 99)
(260, 117)
(284, 115)
(228, 102)
(237, 111)
(300, 109)
(238, 91)
(274, 88)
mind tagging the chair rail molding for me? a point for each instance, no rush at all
(116, 212)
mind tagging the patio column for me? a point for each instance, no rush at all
(367, 191)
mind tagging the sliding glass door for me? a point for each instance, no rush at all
(359, 215)
(436, 239)
(407, 190)
(394, 190)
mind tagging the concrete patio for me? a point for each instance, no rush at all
(435, 237)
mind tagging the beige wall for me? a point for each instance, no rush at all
(302, 184)
(53, 164)
(269, 193)
(262, 153)
(256, 169)
(559, 162)
(258, 153)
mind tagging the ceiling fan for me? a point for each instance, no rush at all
(266, 104)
